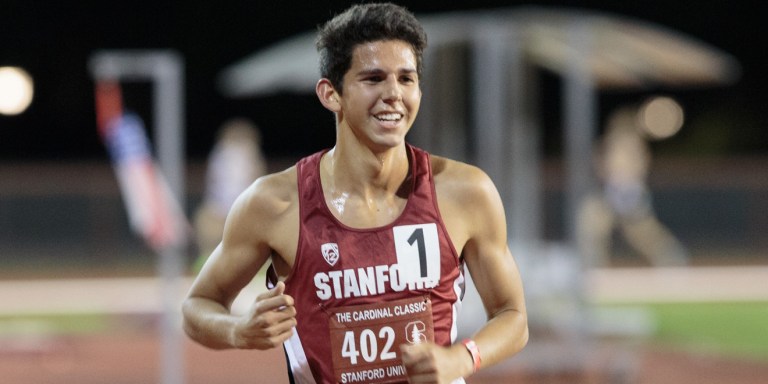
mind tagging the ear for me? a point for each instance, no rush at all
(328, 95)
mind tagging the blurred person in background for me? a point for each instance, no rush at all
(368, 240)
(623, 161)
(234, 163)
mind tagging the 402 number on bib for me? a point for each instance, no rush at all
(366, 339)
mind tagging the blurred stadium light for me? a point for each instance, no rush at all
(16, 90)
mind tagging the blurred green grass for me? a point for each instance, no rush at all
(733, 329)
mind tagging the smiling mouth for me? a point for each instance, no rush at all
(389, 117)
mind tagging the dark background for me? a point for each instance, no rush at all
(54, 39)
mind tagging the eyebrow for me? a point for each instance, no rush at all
(377, 71)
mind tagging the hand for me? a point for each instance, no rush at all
(431, 363)
(268, 322)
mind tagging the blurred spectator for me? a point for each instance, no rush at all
(623, 161)
(235, 162)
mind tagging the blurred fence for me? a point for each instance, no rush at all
(58, 215)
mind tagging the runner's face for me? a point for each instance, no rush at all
(381, 93)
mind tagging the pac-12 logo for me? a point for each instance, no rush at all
(330, 253)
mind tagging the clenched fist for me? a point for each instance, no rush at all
(268, 322)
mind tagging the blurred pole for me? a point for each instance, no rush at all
(522, 189)
(166, 70)
(488, 85)
(452, 99)
(579, 123)
(441, 124)
(507, 139)
(488, 88)
(168, 74)
(169, 94)
(424, 128)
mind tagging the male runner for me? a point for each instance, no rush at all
(367, 240)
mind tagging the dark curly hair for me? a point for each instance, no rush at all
(364, 23)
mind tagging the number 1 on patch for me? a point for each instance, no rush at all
(418, 253)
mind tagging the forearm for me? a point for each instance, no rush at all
(504, 335)
(208, 323)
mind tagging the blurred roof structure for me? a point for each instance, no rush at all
(624, 52)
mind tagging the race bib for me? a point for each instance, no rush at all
(366, 339)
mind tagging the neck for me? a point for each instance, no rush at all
(359, 170)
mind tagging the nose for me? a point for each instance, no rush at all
(392, 90)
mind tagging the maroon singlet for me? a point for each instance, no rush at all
(360, 293)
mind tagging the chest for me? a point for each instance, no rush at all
(361, 212)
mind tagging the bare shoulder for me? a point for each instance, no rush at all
(264, 210)
(264, 219)
(460, 181)
(469, 204)
(270, 195)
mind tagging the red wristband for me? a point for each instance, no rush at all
(474, 351)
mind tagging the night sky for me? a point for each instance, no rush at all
(54, 39)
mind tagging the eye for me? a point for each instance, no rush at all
(373, 79)
(408, 79)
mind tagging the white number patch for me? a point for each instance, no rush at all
(418, 253)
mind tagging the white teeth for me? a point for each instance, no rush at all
(389, 116)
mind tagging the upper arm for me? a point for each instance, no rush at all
(475, 212)
(246, 243)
